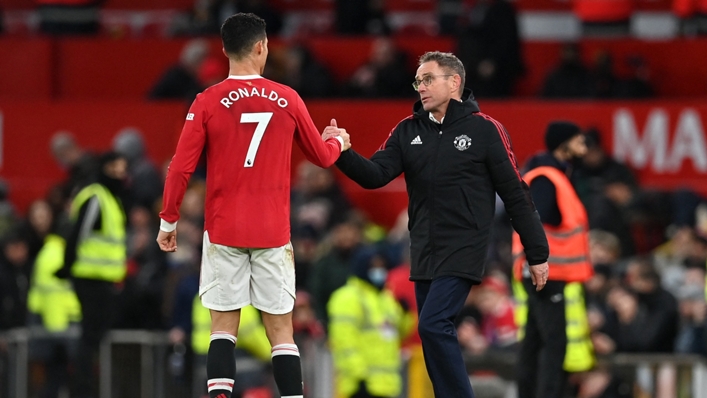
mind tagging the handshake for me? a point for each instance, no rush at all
(333, 130)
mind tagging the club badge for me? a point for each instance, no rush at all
(462, 143)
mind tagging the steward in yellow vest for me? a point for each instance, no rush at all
(366, 328)
(553, 321)
(95, 259)
(52, 298)
(54, 301)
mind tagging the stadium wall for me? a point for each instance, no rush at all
(663, 141)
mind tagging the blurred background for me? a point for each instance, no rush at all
(80, 77)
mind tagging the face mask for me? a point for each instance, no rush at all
(377, 276)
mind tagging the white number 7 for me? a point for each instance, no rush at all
(262, 118)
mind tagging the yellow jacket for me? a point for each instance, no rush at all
(251, 332)
(366, 327)
(50, 297)
(579, 356)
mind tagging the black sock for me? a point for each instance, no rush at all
(221, 365)
(287, 370)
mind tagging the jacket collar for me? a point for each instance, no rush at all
(455, 110)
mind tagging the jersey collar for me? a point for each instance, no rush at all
(244, 77)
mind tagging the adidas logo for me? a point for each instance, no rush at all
(416, 141)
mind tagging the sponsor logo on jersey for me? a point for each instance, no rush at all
(190, 116)
(416, 141)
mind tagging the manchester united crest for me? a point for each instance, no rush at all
(463, 142)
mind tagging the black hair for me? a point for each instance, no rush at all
(109, 157)
(240, 32)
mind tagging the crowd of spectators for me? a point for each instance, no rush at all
(648, 295)
(487, 39)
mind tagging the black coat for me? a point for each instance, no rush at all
(453, 172)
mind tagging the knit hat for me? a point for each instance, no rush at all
(560, 132)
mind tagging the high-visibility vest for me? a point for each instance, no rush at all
(579, 356)
(366, 327)
(50, 297)
(569, 241)
(603, 11)
(251, 332)
(101, 254)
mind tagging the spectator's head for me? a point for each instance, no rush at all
(129, 143)
(595, 156)
(193, 203)
(65, 150)
(570, 55)
(641, 276)
(15, 249)
(604, 247)
(603, 62)
(565, 140)
(296, 58)
(491, 291)
(370, 264)
(244, 39)
(347, 236)
(383, 52)
(113, 171)
(440, 77)
(304, 318)
(193, 55)
(140, 217)
(40, 217)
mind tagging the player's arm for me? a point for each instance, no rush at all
(384, 166)
(189, 149)
(321, 153)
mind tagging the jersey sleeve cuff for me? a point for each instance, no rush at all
(167, 226)
(341, 141)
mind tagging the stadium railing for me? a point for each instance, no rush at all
(136, 363)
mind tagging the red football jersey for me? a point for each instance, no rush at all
(246, 124)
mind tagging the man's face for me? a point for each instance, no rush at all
(438, 92)
(577, 147)
(117, 169)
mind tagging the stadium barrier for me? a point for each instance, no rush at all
(133, 363)
(136, 363)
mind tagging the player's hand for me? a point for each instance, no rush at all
(539, 274)
(332, 130)
(347, 139)
(167, 241)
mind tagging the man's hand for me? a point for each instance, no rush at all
(167, 241)
(334, 131)
(539, 273)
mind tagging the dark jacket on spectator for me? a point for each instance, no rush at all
(653, 330)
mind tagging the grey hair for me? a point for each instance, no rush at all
(448, 61)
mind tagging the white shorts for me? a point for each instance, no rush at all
(232, 278)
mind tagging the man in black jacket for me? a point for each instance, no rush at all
(455, 160)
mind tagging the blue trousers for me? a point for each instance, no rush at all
(438, 302)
